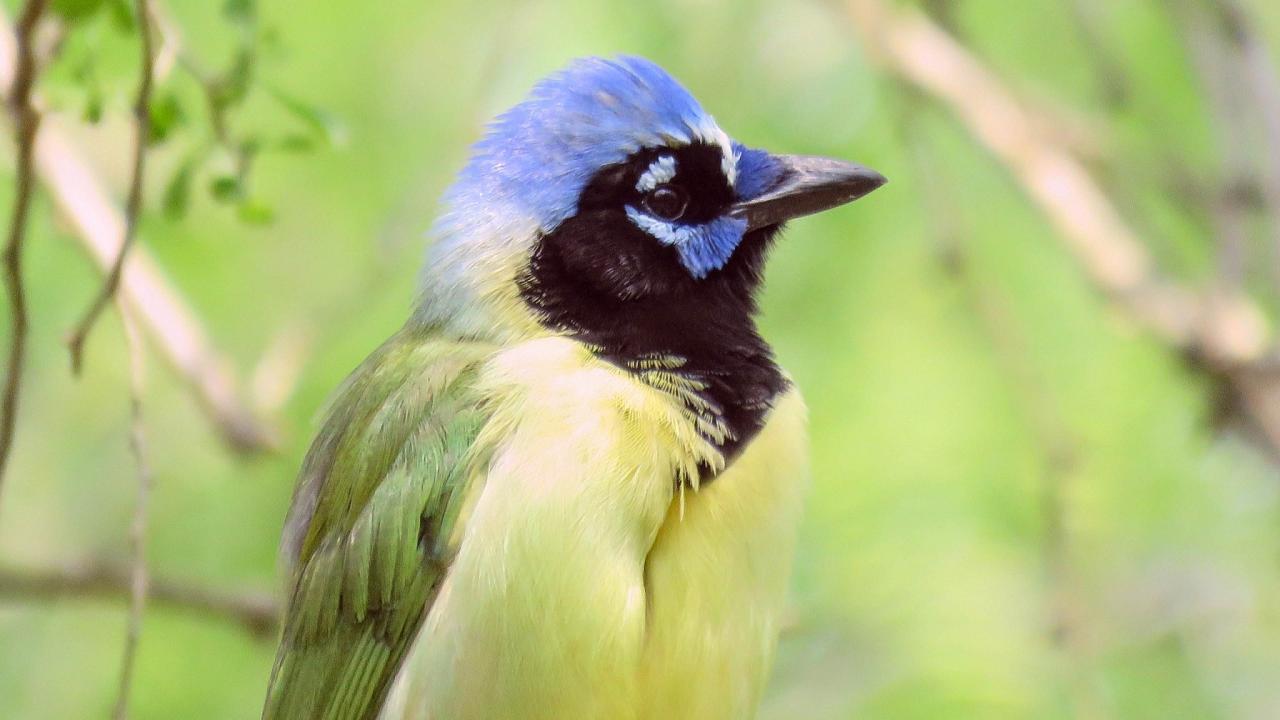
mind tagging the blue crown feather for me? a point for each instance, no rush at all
(524, 179)
(537, 157)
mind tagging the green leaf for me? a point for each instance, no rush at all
(250, 146)
(324, 124)
(239, 10)
(85, 71)
(270, 41)
(177, 194)
(85, 76)
(93, 107)
(166, 116)
(232, 87)
(74, 11)
(255, 212)
(296, 143)
(226, 189)
(121, 12)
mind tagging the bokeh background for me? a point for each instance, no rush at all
(1027, 503)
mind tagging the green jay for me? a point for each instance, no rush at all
(569, 486)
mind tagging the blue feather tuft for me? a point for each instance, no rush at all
(524, 179)
(758, 171)
(538, 156)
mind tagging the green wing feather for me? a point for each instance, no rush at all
(373, 518)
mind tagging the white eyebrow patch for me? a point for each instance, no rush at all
(662, 170)
(711, 133)
(729, 164)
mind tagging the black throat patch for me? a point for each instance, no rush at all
(607, 283)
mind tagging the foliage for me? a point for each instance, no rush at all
(959, 559)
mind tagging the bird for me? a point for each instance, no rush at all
(569, 486)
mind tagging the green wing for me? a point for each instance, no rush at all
(372, 523)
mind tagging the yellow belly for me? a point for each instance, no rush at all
(584, 587)
(717, 580)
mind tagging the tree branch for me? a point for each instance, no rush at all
(139, 577)
(912, 46)
(133, 201)
(1264, 91)
(170, 323)
(26, 123)
(257, 613)
(1109, 72)
(1222, 331)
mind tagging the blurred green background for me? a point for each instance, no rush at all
(1023, 505)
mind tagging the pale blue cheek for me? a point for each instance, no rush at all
(702, 248)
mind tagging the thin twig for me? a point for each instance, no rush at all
(225, 90)
(1223, 333)
(1057, 444)
(168, 319)
(171, 324)
(275, 377)
(133, 203)
(912, 46)
(1109, 73)
(1227, 93)
(1257, 86)
(139, 577)
(1264, 82)
(256, 612)
(26, 123)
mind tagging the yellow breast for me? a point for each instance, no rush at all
(717, 575)
(582, 588)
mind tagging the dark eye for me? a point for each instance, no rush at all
(667, 202)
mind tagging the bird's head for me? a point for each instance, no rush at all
(608, 191)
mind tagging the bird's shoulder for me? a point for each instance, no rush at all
(417, 387)
(375, 520)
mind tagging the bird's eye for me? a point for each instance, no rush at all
(667, 202)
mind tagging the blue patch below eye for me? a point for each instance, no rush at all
(702, 248)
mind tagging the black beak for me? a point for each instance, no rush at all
(807, 185)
